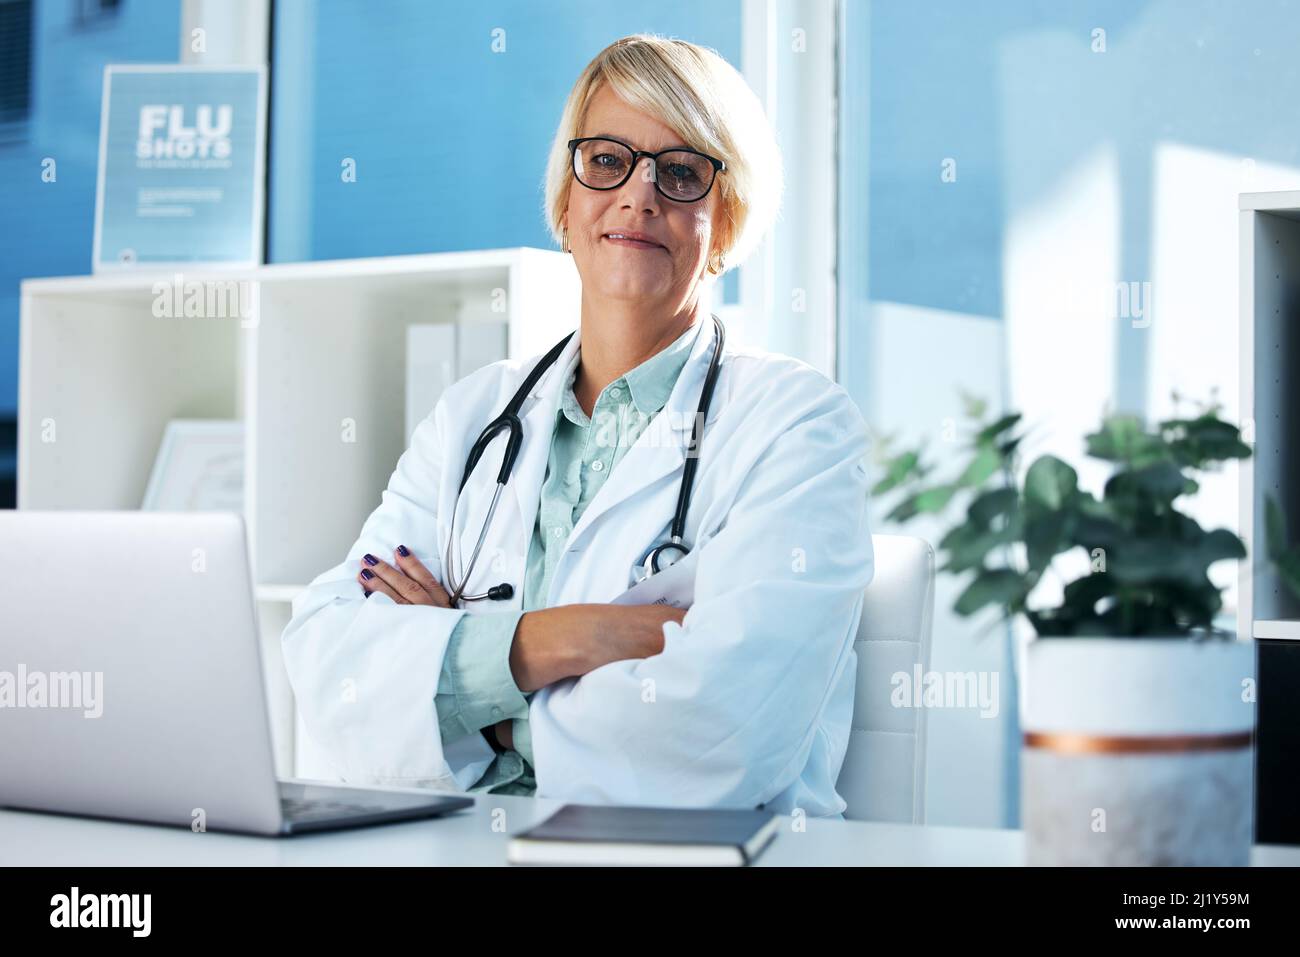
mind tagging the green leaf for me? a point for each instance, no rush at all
(934, 499)
(968, 546)
(1077, 614)
(897, 471)
(989, 433)
(1049, 483)
(1143, 561)
(986, 462)
(1095, 528)
(1123, 438)
(987, 506)
(1204, 440)
(997, 586)
(1046, 535)
(1085, 592)
(1163, 481)
(1190, 606)
(1219, 545)
(904, 511)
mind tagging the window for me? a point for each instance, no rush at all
(50, 71)
(369, 117)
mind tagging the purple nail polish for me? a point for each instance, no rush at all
(367, 574)
(403, 550)
(371, 559)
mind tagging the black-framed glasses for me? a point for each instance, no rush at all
(682, 175)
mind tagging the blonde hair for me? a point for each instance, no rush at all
(702, 98)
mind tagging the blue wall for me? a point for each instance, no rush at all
(48, 228)
(450, 138)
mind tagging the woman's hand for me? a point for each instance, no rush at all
(407, 582)
(570, 640)
(628, 631)
(549, 644)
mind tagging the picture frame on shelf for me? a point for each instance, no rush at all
(199, 467)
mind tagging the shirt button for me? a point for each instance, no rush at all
(616, 392)
(496, 712)
(597, 465)
(557, 531)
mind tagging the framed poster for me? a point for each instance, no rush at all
(200, 467)
(181, 161)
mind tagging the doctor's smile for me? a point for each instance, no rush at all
(579, 582)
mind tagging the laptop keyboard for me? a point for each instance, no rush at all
(296, 810)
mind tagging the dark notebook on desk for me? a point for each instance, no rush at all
(588, 834)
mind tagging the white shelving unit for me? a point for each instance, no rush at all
(314, 367)
(1270, 397)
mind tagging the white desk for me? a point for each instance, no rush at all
(467, 837)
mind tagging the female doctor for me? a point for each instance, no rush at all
(469, 641)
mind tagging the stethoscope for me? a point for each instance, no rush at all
(656, 559)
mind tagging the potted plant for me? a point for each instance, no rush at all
(1137, 710)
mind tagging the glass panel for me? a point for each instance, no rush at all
(393, 98)
(51, 66)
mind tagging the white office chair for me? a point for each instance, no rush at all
(883, 777)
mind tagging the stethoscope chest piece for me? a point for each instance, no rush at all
(660, 557)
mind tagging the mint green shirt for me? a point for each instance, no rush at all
(476, 687)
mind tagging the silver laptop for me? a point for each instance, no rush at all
(131, 680)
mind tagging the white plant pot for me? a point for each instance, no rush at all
(1137, 751)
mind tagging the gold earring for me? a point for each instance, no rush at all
(564, 239)
(716, 264)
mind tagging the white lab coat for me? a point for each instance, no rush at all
(750, 702)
